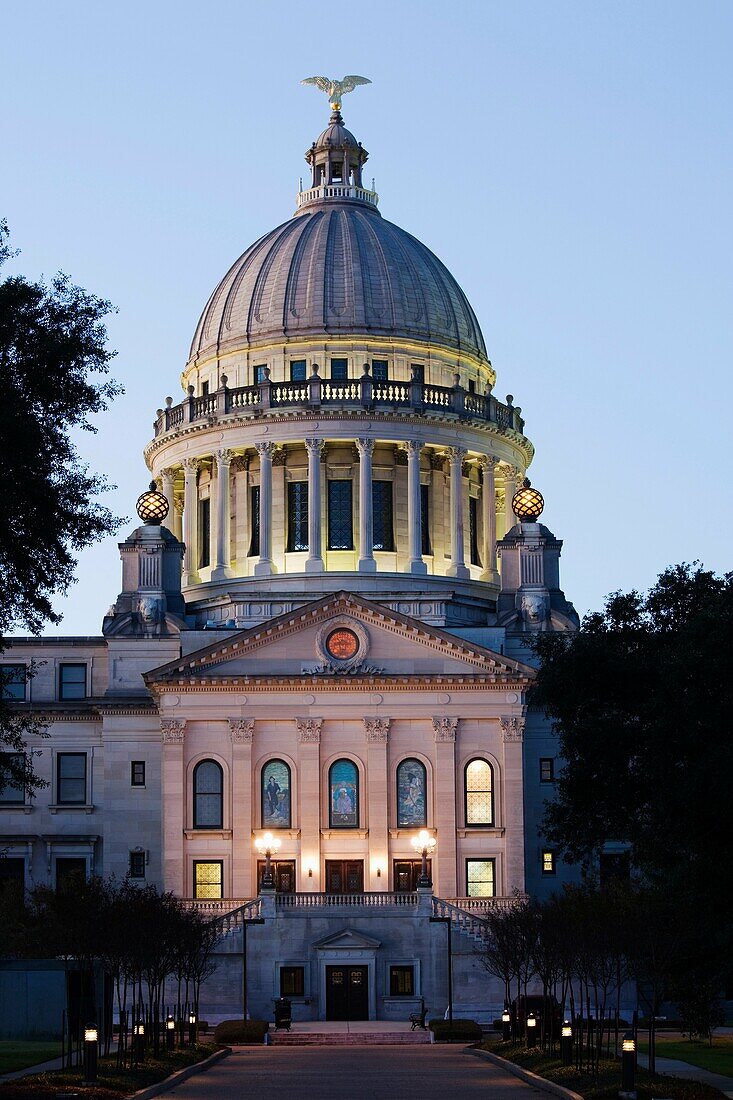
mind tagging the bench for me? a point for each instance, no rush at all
(417, 1019)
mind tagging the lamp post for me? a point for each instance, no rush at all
(170, 1032)
(266, 845)
(192, 1029)
(531, 1030)
(506, 1024)
(91, 1036)
(566, 1043)
(423, 842)
(628, 1060)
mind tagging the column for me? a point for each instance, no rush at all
(173, 794)
(488, 514)
(414, 509)
(222, 531)
(457, 567)
(265, 565)
(314, 561)
(376, 731)
(367, 564)
(168, 478)
(444, 800)
(241, 731)
(512, 728)
(190, 521)
(510, 487)
(309, 780)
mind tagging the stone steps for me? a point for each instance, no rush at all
(352, 1038)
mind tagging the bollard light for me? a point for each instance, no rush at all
(91, 1036)
(531, 1029)
(628, 1060)
(170, 1032)
(506, 1024)
(138, 1033)
(192, 1029)
(566, 1043)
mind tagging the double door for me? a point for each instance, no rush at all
(283, 871)
(344, 876)
(347, 992)
(405, 874)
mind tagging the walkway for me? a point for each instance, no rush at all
(677, 1068)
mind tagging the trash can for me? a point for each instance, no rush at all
(283, 1013)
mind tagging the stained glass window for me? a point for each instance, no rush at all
(479, 793)
(473, 530)
(343, 790)
(480, 879)
(254, 521)
(425, 518)
(340, 525)
(383, 534)
(548, 862)
(207, 879)
(297, 515)
(276, 795)
(208, 795)
(259, 372)
(411, 794)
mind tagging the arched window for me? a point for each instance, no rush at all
(412, 788)
(343, 795)
(208, 795)
(276, 795)
(479, 793)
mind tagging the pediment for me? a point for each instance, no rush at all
(347, 939)
(291, 648)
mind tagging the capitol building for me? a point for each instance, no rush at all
(308, 703)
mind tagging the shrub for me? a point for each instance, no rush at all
(464, 1030)
(241, 1031)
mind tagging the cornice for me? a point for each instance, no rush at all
(212, 685)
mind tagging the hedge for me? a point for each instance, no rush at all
(241, 1031)
(465, 1030)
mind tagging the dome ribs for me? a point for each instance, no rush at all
(379, 313)
(409, 281)
(297, 294)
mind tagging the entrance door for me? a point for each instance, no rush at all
(344, 876)
(284, 873)
(347, 992)
(406, 872)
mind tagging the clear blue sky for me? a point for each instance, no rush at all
(570, 163)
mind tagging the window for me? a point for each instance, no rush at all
(297, 370)
(480, 878)
(137, 773)
(292, 981)
(343, 795)
(204, 532)
(479, 793)
(12, 681)
(473, 530)
(12, 878)
(11, 791)
(402, 981)
(472, 385)
(340, 526)
(260, 375)
(208, 791)
(411, 794)
(70, 873)
(547, 770)
(379, 370)
(204, 389)
(136, 867)
(72, 681)
(418, 372)
(382, 515)
(425, 518)
(71, 786)
(297, 515)
(548, 862)
(340, 369)
(276, 795)
(254, 521)
(208, 879)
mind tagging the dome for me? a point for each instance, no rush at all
(336, 135)
(337, 269)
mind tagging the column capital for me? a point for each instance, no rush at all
(178, 505)
(413, 448)
(314, 445)
(512, 727)
(241, 730)
(457, 454)
(223, 456)
(190, 467)
(265, 448)
(173, 730)
(444, 728)
(169, 473)
(377, 730)
(366, 447)
(309, 730)
(509, 472)
(489, 462)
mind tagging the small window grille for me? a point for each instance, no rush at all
(297, 515)
(340, 519)
(380, 370)
(382, 524)
(297, 370)
(339, 369)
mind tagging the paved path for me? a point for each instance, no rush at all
(360, 1073)
(677, 1068)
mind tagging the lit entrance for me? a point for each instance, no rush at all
(406, 872)
(347, 993)
(345, 876)
(283, 871)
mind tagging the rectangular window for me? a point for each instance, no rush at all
(548, 862)
(340, 369)
(137, 865)
(11, 791)
(137, 773)
(72, 681)
(208, 879)
(480, 878)
(402, 981)
(471, 385)
(12, 682)
(204, 389)
(297, 515)
(71, 786)
(204, 532)
(297, 370)
(473, 530)
(254, 521)
(340, 525)
(292, 981)
(425, 519)
(418, 372)
(382, 515)
(547, 770)
(12, 878)
(260, 375)
(70, 872)
(379, 370)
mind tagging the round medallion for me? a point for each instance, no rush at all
(342, 644)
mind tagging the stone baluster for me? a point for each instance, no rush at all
(222, 533)
(314, 561)
(488, 510)
(264, 566)
(190, 521)
(414, 508)
(367, 564)
(457, 567)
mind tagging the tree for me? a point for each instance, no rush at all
(53, 359)
(640, 699)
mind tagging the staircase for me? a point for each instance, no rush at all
(328, 1037)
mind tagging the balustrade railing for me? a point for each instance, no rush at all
(367, 899)
(337, 191)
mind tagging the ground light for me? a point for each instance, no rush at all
(531, 1030)
(506, 1024)
(91, 1037)
(170, 1033)
(138, 1033)
(566, 1043)
(192, 1029)
(628, 1066)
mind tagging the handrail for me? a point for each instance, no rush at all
(229, 913)
(364, 899)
